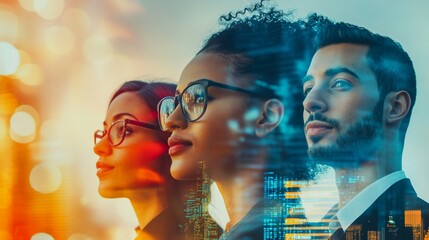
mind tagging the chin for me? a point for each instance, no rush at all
(180, 171)
(107, 194)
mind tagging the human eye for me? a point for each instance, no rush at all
(127, 130)
(307, 89)
(341, 84)
(121, 129)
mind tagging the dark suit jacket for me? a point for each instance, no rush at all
(397, 214)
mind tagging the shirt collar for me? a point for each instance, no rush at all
(363, 200)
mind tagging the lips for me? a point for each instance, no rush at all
(317, 128)
(103, 168)
(177, 145)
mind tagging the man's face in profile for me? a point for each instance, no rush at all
(341, 106)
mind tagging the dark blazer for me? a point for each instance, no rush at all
(397, 214)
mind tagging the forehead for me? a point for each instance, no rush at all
(210, 66)
(352, 56)
(131, 103)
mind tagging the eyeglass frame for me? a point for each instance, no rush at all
(206, 83)
(125, 122)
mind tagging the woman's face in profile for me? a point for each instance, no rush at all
(135, 163)
(214, 139)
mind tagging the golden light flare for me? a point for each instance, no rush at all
(8, 103)
(97, 49)
(58, 40)
(3, 128)
(9, 58)
(30, 74)
(45, 177)
(5, 199)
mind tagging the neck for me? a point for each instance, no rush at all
(241, 193)
(148, 204)
(351, 181)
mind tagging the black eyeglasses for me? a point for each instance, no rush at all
(193, 101)
(118, 130)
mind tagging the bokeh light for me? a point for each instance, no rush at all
(97, 49)
(45, 177)
(9, 27)
(49, 9)
(27, 5)
(30, 74)
(22, 127)
(9, 58)
(42, 236)
(24, 57)
(58, 40)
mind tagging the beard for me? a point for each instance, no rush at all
(355, 146)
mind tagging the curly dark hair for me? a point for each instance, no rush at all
(265, 44)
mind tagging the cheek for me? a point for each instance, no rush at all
(148, 152)
(146, 161)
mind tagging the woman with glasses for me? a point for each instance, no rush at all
(236, 115)
(133, 160)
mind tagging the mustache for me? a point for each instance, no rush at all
(322, 118)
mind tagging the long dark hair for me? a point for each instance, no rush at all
(151, 93)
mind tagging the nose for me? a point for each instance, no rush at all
(176, 120)
(315, 101)
(103, 148)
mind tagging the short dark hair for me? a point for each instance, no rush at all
(272, 49)
(387, 59)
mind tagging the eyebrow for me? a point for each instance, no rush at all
(119, 116)
(331, 72)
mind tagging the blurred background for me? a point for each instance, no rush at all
(60, 61)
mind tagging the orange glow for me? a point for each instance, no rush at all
(8, 103)
(146, 174)
(152, 150)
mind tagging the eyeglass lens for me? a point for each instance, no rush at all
(193, 102)
(116, 133)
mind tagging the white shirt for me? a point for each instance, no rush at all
(364, 199)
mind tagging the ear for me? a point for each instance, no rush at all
(397, 106)
(270, 117)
